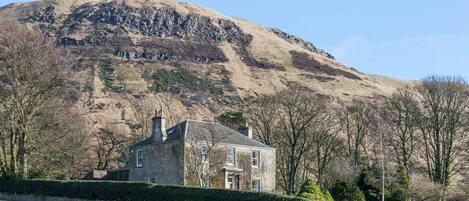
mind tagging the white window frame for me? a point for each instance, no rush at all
(228, 156)
(139, 160)
(258, 158)
(204, 156)
(259, 185)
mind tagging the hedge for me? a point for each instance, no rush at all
(132, 191)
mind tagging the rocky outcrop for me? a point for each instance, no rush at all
(122, 19)
(168, 34)
(298, 41)
(173, 50)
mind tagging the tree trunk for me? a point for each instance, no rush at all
(23, 170)
(13, 151)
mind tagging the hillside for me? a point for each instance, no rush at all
(190, 60)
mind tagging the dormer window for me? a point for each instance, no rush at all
(139, 158)
(231, 157)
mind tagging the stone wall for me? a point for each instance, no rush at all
(162, 162)
(265, 173)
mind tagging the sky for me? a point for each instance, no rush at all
(406, 39)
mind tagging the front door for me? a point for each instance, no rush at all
(232, 182)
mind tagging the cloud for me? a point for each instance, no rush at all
(408, 57)
(344, 49)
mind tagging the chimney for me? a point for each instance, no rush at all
(159, 128)
(247, 131)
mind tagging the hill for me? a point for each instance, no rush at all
(135, 55)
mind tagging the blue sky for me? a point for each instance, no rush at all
(399, 38)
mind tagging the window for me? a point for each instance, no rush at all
(256, 158)
(204, 153)
(231, 156)
(206, 182)
(256, 185)
(139, 158)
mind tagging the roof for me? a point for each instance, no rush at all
(193, 130)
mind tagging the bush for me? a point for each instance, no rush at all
(181, 80)
(233, 119)
(106, 74)
(346, 191)
(131, 191)
(396, 188)
(312, 191)
(328, 196)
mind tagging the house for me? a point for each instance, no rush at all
(207, 154)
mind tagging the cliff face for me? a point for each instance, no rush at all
(135, 55)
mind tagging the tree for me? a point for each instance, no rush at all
(263, 117)
(326, 145)
(288, 121)
(400, 112)
(144, 110)
(36, 97)
(346, 191)
(298, 115)
(108, 142)
(397, 183)
(203, 158)
(443, 125)
(3, 146)
(233, 119)
(356, 124)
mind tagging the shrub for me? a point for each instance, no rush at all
(106, 74)
(311, 191)
(131, 191)
(232, 119)
(328, 196)
(396, 188)
(179, 80)
(346, 191)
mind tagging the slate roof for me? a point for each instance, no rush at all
(206, 131)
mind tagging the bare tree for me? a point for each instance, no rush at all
(263, 117)
(302, 129)
(203, 159)
(400, 112)
(443, 124)
(3, 146)
(356, 124)
(326, 145)
(108, 142)
(143, 110)
(34, 83)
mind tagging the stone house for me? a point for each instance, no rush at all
(226, 158)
